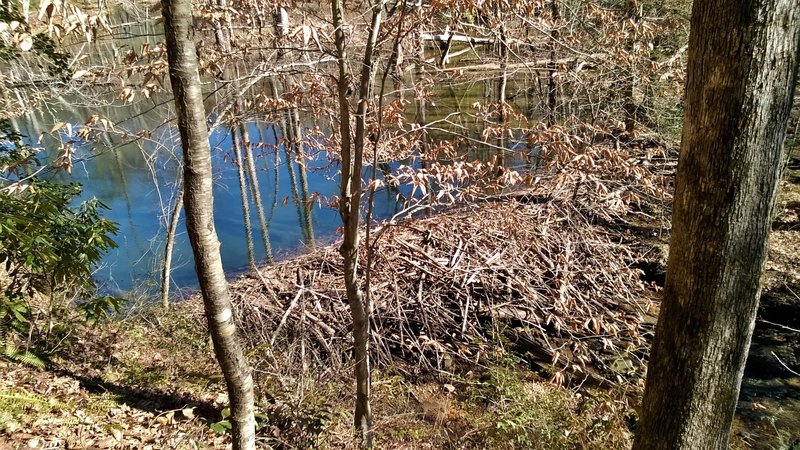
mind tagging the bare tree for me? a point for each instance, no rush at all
(352, 154)
(742, 63)
(199, 207)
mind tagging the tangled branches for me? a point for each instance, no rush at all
(532, 271)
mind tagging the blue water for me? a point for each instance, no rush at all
(139, 181)
(139, 186)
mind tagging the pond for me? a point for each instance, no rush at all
(139, 181)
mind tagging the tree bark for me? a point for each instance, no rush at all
(301, 221)
(280, 21)
(502, 84)
(199, 207)
(352, 155)
(742, 59)
(221, 33)
(630, 106)
(305, 200)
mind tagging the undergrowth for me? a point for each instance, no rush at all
(153, 371)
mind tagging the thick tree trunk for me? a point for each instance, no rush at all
(199, 207)
(742, 58)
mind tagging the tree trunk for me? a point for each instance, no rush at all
(304, 205)
(742, 58)
(280, 21)
(502, 84)
(301, 222)
(167, 267)
(287, 128)
(370, 243)
(352, 155)
(221, 33)
(630, 106)
(308, 224)
(199, 207)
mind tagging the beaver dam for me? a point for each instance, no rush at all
(553, 274)
(513, 259)
(479, 312)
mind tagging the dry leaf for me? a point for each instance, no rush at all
(25, 42)
(79, 73)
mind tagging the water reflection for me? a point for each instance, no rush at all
(137, 174)
(139, 180)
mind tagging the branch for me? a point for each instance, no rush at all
(785, 366)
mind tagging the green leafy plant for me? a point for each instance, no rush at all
(13, 318)
(97, 308)
(48, 247)
(298, 425)
(224, 425)
(519, 412)
(9, 349)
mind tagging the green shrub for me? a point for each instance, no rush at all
(47, 245)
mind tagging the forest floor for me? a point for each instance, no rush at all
(520, 322)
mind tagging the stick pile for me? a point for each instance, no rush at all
(537, 276)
